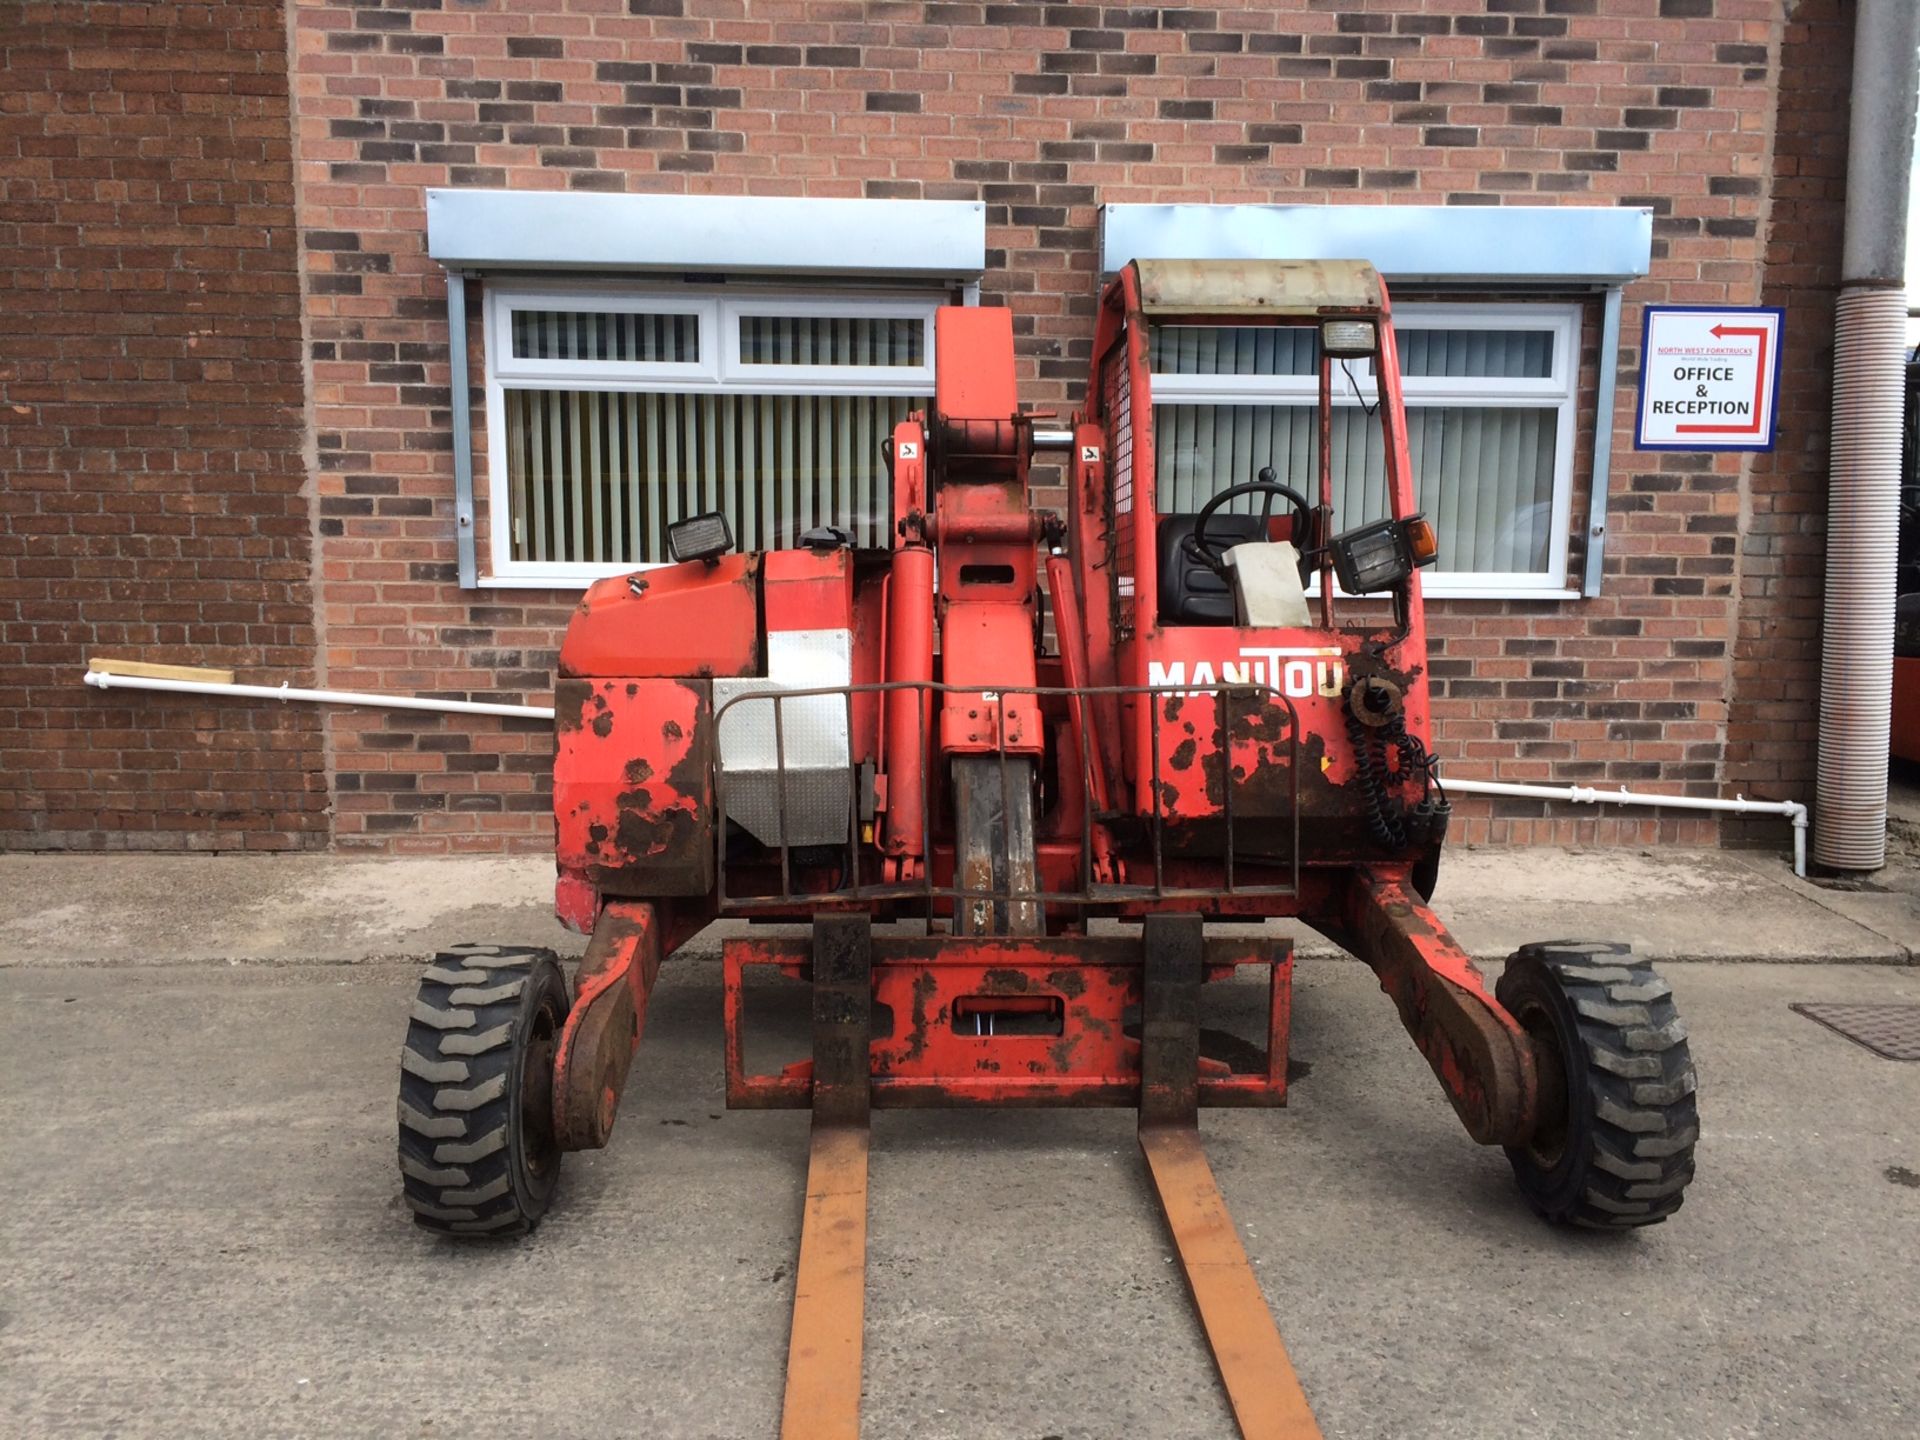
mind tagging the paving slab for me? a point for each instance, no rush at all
(135, 909)
(204, 1236)
(168, 909)
(1669, 904)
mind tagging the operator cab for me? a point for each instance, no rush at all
(1249, 555)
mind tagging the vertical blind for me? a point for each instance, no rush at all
(606, 335)
(596, 476)
(1483, 473)
(1232, 349)
(1117, 383)
(832, 340)
(594, 471)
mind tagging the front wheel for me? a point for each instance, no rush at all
(478, 1154)
(1614, 1147)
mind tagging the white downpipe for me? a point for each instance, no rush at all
(1869, 390)
(1863, 537)
(102, 680)
(1584, 795)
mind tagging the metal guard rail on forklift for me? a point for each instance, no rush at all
(1091, 893)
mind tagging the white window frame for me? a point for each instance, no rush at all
(827, 379)
(671, 374)
(1560, 389)
(719, 370)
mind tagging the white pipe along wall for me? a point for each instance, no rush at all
(1869, 391)
(105, 680)
(1578, 794)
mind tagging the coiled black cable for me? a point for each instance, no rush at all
(1369, 752)
(1384, 816)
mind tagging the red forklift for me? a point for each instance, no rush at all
(1230, 723)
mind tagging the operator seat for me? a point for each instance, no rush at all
(1190, 592)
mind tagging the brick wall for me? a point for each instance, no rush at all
(1774, 724)
(150, 427)
(1041, 111)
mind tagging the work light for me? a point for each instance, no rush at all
(700, 537)
(1379, 556)
(1346, 338)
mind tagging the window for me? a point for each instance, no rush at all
(612, 413)
(1490, 398)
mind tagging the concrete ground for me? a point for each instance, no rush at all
(204, 1234)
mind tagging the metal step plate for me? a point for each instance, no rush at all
(1889, 1031)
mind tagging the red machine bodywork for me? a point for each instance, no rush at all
(679, 620)
(633, 785)
(1137, 768)
(1008, 1021)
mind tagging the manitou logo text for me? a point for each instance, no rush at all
(1294, 673)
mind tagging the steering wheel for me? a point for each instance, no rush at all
(1212, 553)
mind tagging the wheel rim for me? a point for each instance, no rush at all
(536, 1095)
(1547, 1146)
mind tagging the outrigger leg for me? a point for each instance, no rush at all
(1484, 1059)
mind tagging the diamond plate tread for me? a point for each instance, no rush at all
(1889, 1031)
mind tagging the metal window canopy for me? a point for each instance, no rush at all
(772, 235)
(476, 231)
(1503, 247)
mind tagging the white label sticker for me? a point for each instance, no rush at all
(909, 450)
(1090, 454)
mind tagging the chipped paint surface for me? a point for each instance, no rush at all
(633, 785)
(1058, 1038)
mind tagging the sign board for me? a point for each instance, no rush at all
(1709, 378)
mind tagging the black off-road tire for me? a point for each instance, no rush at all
(1614, 1150)
(477, 1149)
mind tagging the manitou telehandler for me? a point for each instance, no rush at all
(1231, 724)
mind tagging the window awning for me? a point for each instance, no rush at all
(1576, 246)
(770, 235)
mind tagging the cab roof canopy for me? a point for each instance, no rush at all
(1257, 287)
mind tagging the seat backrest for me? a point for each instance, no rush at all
(1190, 592)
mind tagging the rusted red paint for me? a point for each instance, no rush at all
(609, 1014)
(944, 1048)
(576, 901)
(1481, 1055)
(1136, 793)
(633, 785)
(603, 1028)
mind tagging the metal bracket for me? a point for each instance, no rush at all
(459, 385)
(842, 1019)
(1597, 489)
(1173, 948)
(603, 1028)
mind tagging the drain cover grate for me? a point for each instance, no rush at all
(1891, 1031)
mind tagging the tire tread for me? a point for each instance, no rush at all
(1638, 1075)
(456, 1087)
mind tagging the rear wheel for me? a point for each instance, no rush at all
(1614, 1148)
(477, 1149)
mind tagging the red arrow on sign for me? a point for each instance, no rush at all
(1720, 332)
